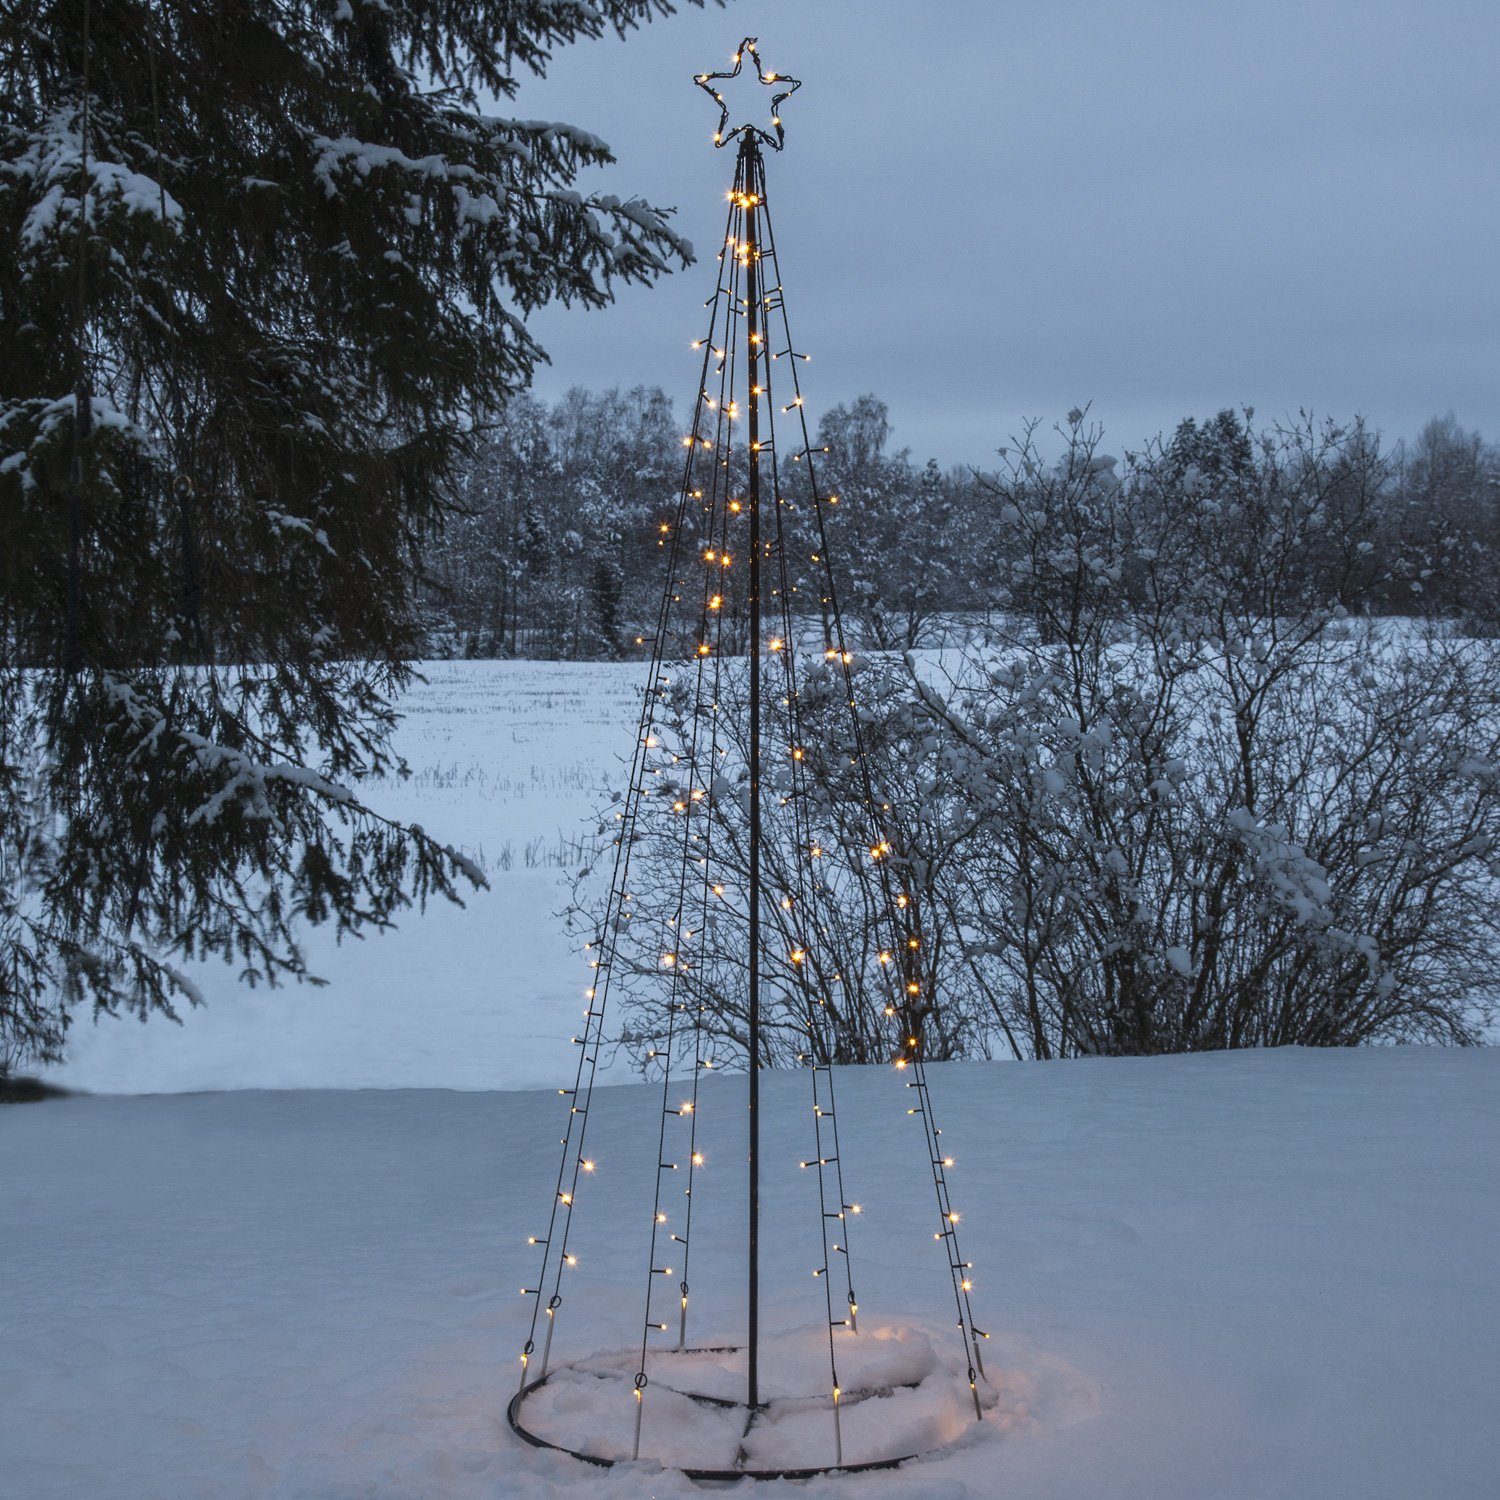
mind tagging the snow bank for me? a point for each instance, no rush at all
(1242, 1275)
(904, 1392)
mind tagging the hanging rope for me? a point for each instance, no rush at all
(691, 791)
(605, 944)
(800, 904)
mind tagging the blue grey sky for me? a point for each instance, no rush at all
(989, 211)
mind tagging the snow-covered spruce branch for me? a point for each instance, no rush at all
(262, 281)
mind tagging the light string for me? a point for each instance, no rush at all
(783, 644)
(720, 514)
(827, 1161)
(709, 648)
(909, 982)
(605, 945)
(709, 892)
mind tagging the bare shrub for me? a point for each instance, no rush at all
(1188, 796)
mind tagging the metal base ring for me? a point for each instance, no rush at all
(513, 1417)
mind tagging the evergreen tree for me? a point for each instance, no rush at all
(896, 532)
(572, 496)
(1446, 509)
(870, 489)
(1220, 451)
(265, 268)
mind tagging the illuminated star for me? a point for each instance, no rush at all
(783, 87)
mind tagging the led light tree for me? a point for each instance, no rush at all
(765, 944)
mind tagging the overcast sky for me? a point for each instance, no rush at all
(989, 211)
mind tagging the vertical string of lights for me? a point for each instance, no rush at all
(711, 643)
(615, 915)
(789, 774)
(799, 926)
(692, 791)
(903, 962)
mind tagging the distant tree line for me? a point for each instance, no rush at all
(553, 548)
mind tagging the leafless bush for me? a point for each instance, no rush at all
(1191, 798)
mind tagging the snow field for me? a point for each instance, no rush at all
(1240, 1275)
(1237, 1275)
(506, 758)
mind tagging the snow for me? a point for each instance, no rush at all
(54, 158)
(904, 1392)
(38, 421)
(507, 757)
(1181, 959)
(1238, 1275)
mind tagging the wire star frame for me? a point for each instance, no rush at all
(785, 87)
(737, 508)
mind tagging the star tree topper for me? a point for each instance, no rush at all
(784, 88)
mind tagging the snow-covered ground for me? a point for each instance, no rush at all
(1243, 1275)
(506, 758)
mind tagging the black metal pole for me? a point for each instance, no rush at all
(750, 176)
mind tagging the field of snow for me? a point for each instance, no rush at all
(292, 1273)
(1241, 1275)
(507, 761)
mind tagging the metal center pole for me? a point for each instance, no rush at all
(750, 177)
